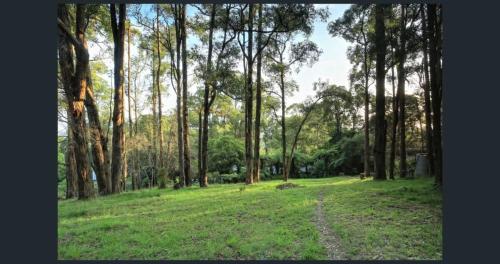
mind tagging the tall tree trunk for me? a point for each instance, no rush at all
(249, 101)
(158, 87)
(100, 155)
(130, 124)
(180, 126)
(435, 76)
(200, 132)
(427, 96)
(401, 92)
(118, 29)
(185, 117)
(75, 87)
(283, 123)
(154, 137)
(380, 122)
(395, 115)
(367, 117)
(70, 160)
(258, 101)
(208, 77)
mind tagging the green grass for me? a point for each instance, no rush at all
(390, 220)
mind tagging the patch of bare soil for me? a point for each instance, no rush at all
(287, 185)
(327, 237)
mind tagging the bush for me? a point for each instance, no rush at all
(224, 153)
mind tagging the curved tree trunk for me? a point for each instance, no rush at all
(100, 155)
(75, 87)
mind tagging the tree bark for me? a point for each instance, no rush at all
(249, 101)
(204, 155)
(435, 76)
(75, 87)
(118, 28)
(283, 123)
(200, 132)
(427, 96)
(70, 160)
(258, 102)
(185, 117)
(158, 87)
(401, 93)
(154, 138)
(180, 126)
(130, 124)
(395, 116)
(100, 153)
(380, 122)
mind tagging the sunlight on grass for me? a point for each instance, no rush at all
(259, 222)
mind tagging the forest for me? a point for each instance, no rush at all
(209, 131)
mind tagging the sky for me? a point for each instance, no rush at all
(332, 66)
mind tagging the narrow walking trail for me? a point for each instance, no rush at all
(327, 237)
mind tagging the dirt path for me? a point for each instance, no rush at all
(327, 237)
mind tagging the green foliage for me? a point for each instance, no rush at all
(224, 153)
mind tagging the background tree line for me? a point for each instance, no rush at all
(237, 125)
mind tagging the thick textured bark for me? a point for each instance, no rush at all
(401, 93)
(118, 28)
(204, 153)
(70, 160)
(75, 87)
(380, 122)
(100, 155)
(395, 116)
(427, 96)
(249, 101)
(185, 117)
(258, 102)
(435, 76)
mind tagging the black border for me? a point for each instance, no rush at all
(470, 128)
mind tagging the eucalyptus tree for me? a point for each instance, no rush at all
(434, 26)
(356, 27)
(380, 121)
(73, 67)
(221, 50)
(185, 112)
(426, 87)
(283, 55)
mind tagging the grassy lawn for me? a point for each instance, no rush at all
(390, 220)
